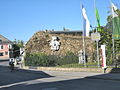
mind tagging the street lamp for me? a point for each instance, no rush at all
(95, 36)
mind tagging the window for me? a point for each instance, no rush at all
(9, 46)
(1, 53)
(0, 41)
(6, 53)
(1, 46)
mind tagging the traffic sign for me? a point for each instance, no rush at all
(95, 36)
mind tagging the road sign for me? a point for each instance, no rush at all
(95, 36)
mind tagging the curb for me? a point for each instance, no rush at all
(97, 70)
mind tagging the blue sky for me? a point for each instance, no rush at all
(20, 19)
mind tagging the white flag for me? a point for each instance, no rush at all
(114, 8)
(86, 22)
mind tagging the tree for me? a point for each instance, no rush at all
(106, 38)
(110, 24)
(15, 51)
(19, 43)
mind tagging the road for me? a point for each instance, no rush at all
(4, 63)
(52, 80)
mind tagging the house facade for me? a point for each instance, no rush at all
(5, 45)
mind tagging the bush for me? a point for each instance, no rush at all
(70, 58)
(40, 59)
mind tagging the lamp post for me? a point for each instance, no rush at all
(95, 36)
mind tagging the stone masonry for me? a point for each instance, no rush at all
(39, 42)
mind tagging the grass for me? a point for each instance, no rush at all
(89, 65)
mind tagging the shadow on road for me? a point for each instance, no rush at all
(19, 75)
(115, 70)
(71, 84)
(114, 74)
(3, 60)
(98, 82)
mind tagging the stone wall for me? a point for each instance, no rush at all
(39, 42)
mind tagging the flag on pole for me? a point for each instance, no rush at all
(98, 19)
(116, 22)
(114, 9)
(86, 23)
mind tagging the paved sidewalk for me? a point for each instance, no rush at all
(92, 75)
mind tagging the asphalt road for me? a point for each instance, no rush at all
(4, 62)
(52, 80)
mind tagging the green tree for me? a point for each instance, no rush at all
(15, 51)
(106, 38)
(19, 43)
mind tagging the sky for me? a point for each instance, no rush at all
(20, 19)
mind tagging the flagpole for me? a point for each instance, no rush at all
(113, 41)
(84, 49)
(84, 44)
(97, 41)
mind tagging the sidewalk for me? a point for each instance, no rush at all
(112, 74)
(91, 75)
